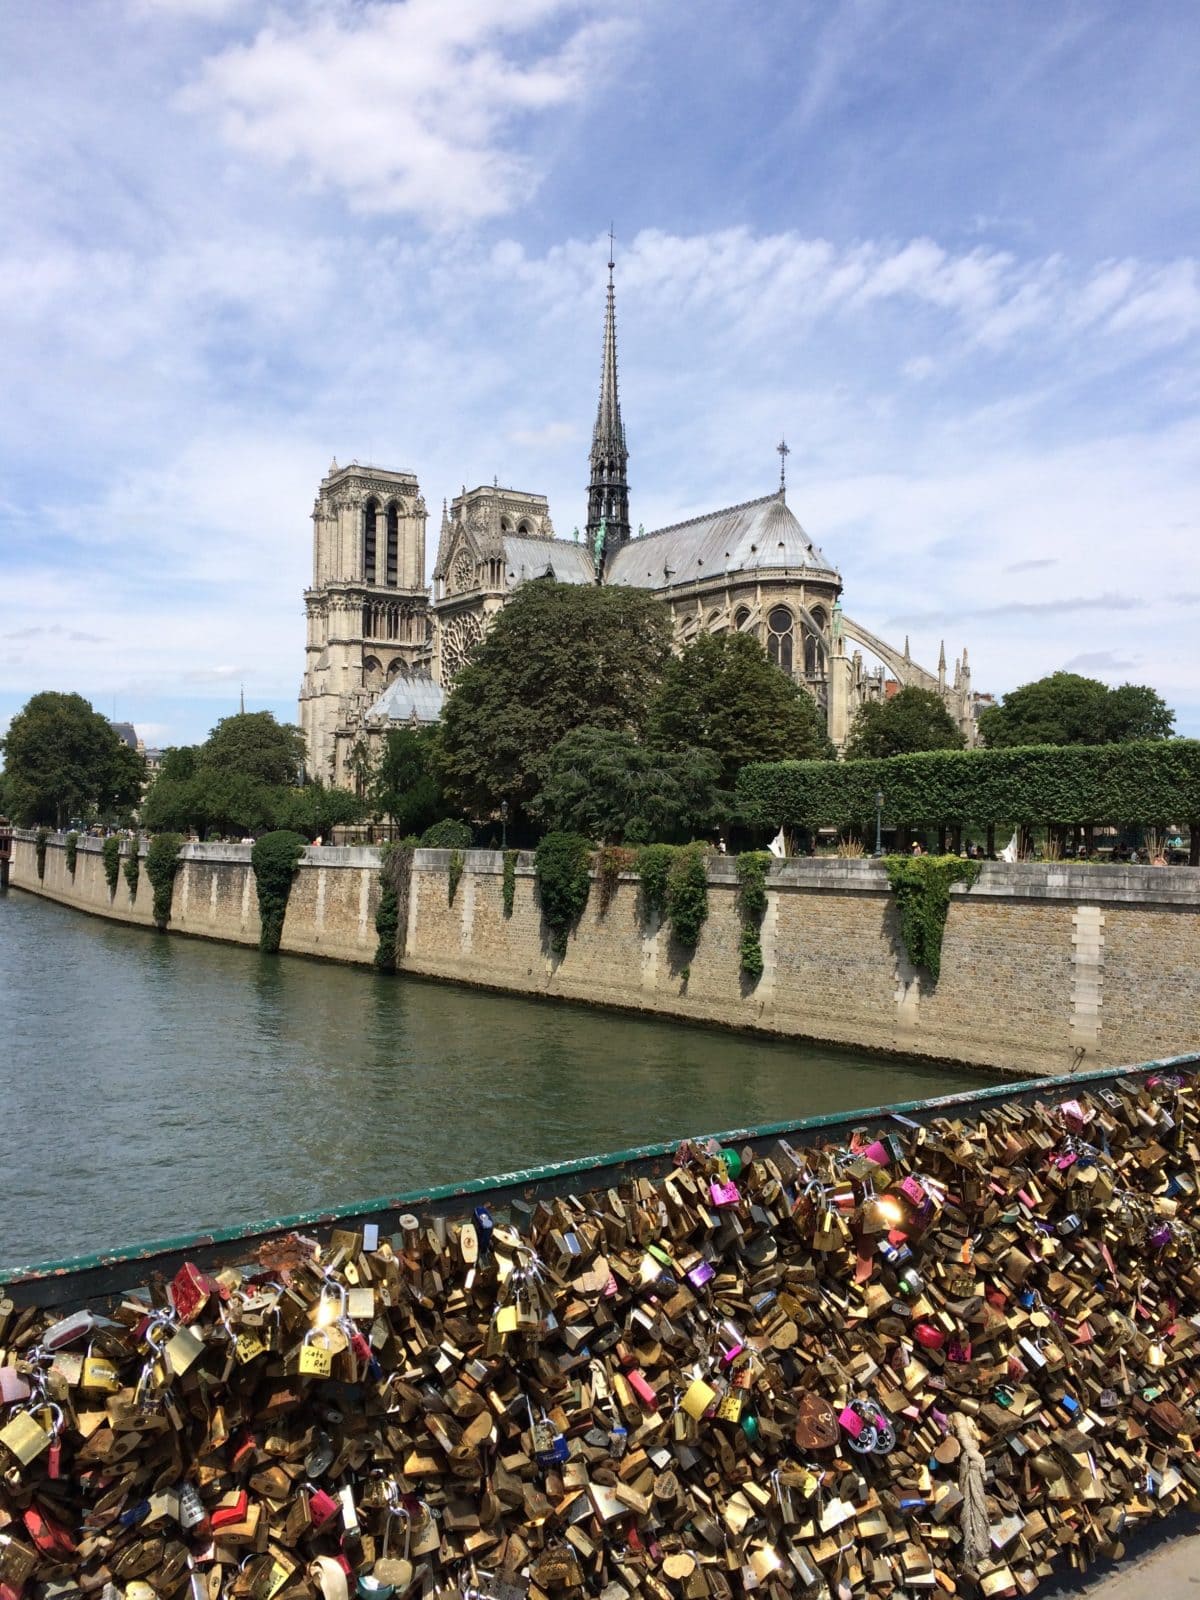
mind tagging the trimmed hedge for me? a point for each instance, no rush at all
(1089, 784)
(448, 834)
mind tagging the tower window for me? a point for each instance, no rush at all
(369, 511)
(741, 617)
(393, 544)
(779, 638)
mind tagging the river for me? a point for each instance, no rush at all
(153, 1086)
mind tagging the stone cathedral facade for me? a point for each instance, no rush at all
(383, 648)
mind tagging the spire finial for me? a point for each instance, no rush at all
(784, 453)
(612, 249)
(242, 699)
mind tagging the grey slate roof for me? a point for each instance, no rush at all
(538, 558)
(404, 695)
(759, 534)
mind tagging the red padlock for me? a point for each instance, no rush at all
(321, 1506)
(928, 1336)
(191, 1290)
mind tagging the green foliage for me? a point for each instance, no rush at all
(253, 745)
(752, 869)
(563, 879)
(687, 894)
(721, 694)
(449, 834)
(63, 760)
(913, 719)
(40, 850)
(110, 852)
(133, 866)
(921, 885)
(611, 861)
(652, 865)
(602, 782)
(1065, 708)
(275, 859)
(404, 785)
(394, 879)
(557, 658)
(179, 762)
(162, 863)
(510, 881)
(454, 871)
(315, 810)
(1112, 783)
(72, 852)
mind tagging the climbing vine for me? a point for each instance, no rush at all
(752, 869)
(391, 915)
(687, 894)
(40, 847)
(133, 866)
(652, 864)
(510, 881)
(611, 861)
(563, 878)
(275, 859)
(110, 852)
(162, 863)
(921, 885)
(72, 852)
(454, 873)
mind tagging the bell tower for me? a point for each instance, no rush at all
(367, 609)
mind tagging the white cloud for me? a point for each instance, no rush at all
(408, 108)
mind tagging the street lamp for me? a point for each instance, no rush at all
(504, 824)
(878, 823)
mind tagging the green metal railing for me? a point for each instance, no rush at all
(79, 1279)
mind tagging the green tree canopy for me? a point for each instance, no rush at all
(315, 810)
(721, 694)
(63, 760)
(253, 745)
(602, 783)
(558, 657)
(1065, 708)
(405, 785)
(179, 761)
(913, 719)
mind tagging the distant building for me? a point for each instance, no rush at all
(127, 733)
(381, 650)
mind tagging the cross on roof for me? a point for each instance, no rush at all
(784, 453)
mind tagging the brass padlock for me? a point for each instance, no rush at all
(316, 1360)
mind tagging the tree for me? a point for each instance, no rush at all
(602, 783)
(721, 694)
(315, 810)
(1065, 708)
(913, 719)
(405, 786)
(558, 657)
(179, 762)
(63, 760)
(253, 745)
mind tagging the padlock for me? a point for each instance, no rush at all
(99, 1373)
(24, 1436)
(316, 1360)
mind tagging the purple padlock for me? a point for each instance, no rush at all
(724, 1194)
(701, 1275)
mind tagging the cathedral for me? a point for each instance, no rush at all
(383, 649)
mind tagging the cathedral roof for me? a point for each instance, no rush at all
(759, 534)
(406, 698)
(561, 559)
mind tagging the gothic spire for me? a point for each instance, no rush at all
(608, 491)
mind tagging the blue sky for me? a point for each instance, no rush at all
(949, 250)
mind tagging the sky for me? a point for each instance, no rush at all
(948, 250)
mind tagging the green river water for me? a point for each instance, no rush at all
(152, 1085)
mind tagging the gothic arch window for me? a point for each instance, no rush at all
(811, 656)
(741, 617)
(779, 637)
(396, 669)
(819, 617)
(505, 525)
(372, 674)
(369, 511)
(393, 544)
(524, 529)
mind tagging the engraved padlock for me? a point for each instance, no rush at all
(316, 1360)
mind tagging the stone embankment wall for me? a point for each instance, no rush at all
(1043, 966)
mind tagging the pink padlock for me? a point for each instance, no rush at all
(851, 1422)
(13, 1386)
(878, 1153)
(640, 1387)
(724, 1194)
(321, 1506)
(912, 1190)
(959, 1350)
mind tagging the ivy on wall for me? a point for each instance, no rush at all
(652, 864)
(40, 847)
(752, 869)
(611, 861)
(454, 872)
(510, 881)
(133, 866)
(921, 885)
(110, 853)
(687, 894)
(275, 859)
(71, 852)
(391, 914)
(162, 863)
(562, 864)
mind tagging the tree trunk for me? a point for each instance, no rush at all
(990, 849)
(942, 840)
(1194, 843)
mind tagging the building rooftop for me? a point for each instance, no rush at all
(755, 535)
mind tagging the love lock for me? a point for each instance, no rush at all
(867, 1429)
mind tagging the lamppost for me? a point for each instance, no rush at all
(878, 823)
(504, 824)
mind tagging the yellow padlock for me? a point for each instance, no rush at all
(98, 1372)
(246, 1346)
(24, 1435)
(316, 1360)
(182, 1349)
(697, 1398)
